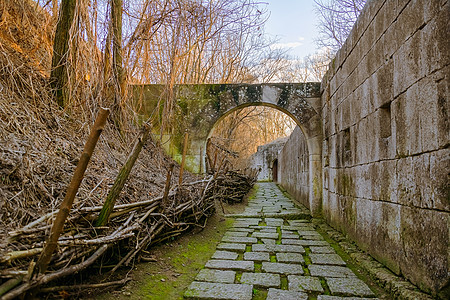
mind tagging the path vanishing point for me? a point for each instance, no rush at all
(273, 248)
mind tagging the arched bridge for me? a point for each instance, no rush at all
(198, 108)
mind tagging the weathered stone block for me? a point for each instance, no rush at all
(231, 247)
(425, 239)
(266, 235)
(282, 268)
(274, 222)
(261, 279)
(236, 233)
(407, 124)
(276, 294)
(439, 166)
(327, 259)
(219, 276)
(257, 256)
(348, 287)
(219, 254)
(379, 231)
(304, 283)
(207, 290)
(230, 265)
(243, 240)
(330, 271)
(290, 258)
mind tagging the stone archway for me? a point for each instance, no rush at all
(275, 170)
(201, 107)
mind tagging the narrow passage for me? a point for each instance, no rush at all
(273, 252)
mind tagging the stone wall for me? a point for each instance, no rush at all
(385, 149)
(386, 138)
(293, 167)
(264, 158)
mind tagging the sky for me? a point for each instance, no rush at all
(294, 22)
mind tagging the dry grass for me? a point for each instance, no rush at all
(40, 144)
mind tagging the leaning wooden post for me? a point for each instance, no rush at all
(165, 198)
(66, 205)
(122, 177)
(183, 158)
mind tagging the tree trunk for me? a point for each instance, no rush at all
(59, 76)
(118, 73)
(122, 177)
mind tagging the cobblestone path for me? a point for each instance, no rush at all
(271, 252)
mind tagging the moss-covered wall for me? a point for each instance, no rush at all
(386, 138)
(199, 107)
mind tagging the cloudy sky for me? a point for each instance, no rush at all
(294, 23)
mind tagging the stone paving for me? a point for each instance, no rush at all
(273, 252)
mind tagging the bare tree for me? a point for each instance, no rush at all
(242, 131)
(59, 77)
(336, 19)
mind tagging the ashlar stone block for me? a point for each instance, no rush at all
(220, 254)
(261, 279)
(232, 247)
(327, 259)
(230, 265)
(257, 256)
(276, 294)
(348, 287)
(330, 271)
(304, 283)
(290, 258)
(282, 268)
(220, 276)
(208, 290)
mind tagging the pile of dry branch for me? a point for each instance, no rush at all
(132, 228)
(40, 147)
(231, 187)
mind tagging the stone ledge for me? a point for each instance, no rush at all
(397, 286)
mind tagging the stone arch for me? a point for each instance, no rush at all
(313, 135)
(201, 107)
(275, 170)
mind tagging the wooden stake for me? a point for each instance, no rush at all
(122, 177)
(183, 158)
(66, 205)
(165, 199)
(200, 162)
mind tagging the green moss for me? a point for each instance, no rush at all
(181, 263)
(238, 277)
(350, 263)
(284, 283)
(259, 294)
(258, 267)
(346, 185)
(324, 285)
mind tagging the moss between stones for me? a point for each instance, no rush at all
(284, 282)
(259, 294)
(360, 273)
(325, 286)
(238, 277)
(258, 267)
(178, 263)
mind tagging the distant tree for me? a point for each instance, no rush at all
(59, 73)
(336, 19)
